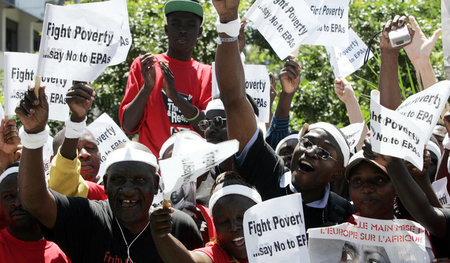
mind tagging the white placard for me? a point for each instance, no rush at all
(20, 73)
(425, 108)
(440, 188)
(332, 16)
(370, 240)
(274, 231)
(80, 41)
(353, 133)
(257, 85)
(108, 135)
(190, 159)
(2, 112)
(346, 60)
(394, 135)
(403, 133)
(283, 23)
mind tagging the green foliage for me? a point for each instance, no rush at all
(315, 100)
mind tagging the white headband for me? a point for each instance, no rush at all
(215, 104)
(131, 154)
(235, 189)
(337, 135)
(10, 170)
(285, 139)
(432, 147)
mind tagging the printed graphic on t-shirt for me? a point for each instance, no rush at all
(174, 114)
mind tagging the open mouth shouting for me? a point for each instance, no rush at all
(305, 166)
(239, 241)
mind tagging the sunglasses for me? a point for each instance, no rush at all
(217, 121)
(319, 151)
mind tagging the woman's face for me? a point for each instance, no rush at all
(312, 168)
(228, 214)
(371, 191)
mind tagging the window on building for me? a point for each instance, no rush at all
(36, 40)
(11, 35)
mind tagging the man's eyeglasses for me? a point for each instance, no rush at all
(217, 121)
(319, 151)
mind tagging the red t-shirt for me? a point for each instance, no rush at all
(217, 254)
(96, 191)
(15, 250)
(162, 118)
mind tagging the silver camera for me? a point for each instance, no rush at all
(400, 36)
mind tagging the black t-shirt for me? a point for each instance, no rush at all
(264, 169)
(442, 245)
(87, 232)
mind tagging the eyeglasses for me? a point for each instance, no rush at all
(217, 121)
(319, 151)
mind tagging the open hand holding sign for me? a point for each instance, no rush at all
(80, 98)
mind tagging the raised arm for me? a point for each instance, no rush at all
(169, 247)
(9, 142)
(419, 52)
(134, 111)
(346, 94)
(241, 121)
(290, 80)
(67, 180)
(35, 197)
(192, 114)
(390, 94)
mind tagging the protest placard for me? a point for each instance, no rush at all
(332, 18)
(283, 23)
(346, 60)
(257, 85)
(20, 73)
(190, 159)
(80, 41)
(353, 133)
(403, 133)
(370, 240)
(394, 135)
(274, 231)
(108, 135)
(440, 188)
(2, 112)
(424, 108)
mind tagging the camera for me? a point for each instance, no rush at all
(400, 36)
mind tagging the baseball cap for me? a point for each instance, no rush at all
(357, 159)
(183, 6)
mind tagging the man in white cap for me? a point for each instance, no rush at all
(116, 230)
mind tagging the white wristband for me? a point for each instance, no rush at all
(231, 28)
(74, 130)
(446, 142)
(34, 140)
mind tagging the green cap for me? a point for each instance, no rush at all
(183, 6)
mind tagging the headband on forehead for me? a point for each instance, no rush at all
(131, 154)
(285, 139)
(235, 189)
(333, 131)
(10, 170)
(215, 104)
